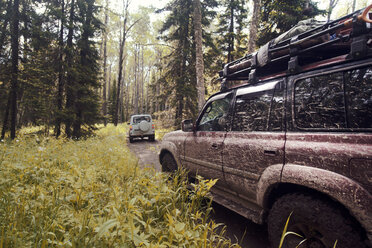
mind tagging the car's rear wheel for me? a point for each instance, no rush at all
(319, 222)
(152, 138)
(130, 140)
(168, 164)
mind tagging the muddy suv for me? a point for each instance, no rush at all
(296, 143)
(141, 126)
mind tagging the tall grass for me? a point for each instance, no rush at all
(90, 193)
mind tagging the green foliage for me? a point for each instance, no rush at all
(90, 193)
(231, 40)
(161, 129)
(279, 16)
(44, 56)
(179, 79)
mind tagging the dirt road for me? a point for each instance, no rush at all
(239, 229)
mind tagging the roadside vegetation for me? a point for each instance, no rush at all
(161, 131)
(90, 193)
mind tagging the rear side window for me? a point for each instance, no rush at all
(341, 100)
(359, 98)
(319, 102)
(259, 108)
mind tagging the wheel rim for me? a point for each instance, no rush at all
(315, 237)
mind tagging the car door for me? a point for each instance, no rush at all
(257, 136)
(203, 148)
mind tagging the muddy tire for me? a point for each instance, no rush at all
(152, 138)
(130, 140)
(319, 221)
(168, 164)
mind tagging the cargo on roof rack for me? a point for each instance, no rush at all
(308, 45)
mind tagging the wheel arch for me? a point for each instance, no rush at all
(350, 197)
(169, 148)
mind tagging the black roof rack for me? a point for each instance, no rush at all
(349, 35)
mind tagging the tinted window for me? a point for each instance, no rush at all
(319, 102)
(275, 121)
(335, 101)
(141, 118)
(215, 116)
(259, 108)
(359, 98)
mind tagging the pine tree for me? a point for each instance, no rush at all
(86, 106)
(70, 78)
(232, 21)
(40, 70)
(180, 74)
(278, 16)
(104, 91)
(14, 78)
(61, 86)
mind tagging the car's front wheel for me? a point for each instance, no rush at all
(168, 164)
(320, 223)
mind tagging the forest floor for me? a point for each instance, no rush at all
(238, 228)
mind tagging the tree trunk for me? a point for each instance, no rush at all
(5, 25)
(331, 6)
(127, 95)
(121, 99)
(84, 62)
(70, 95)
(136, 53)
(121, 60)
(6, 116)
(142, 82)
(180, 77)
(231, 35)
(104, 104)
(254, 26)
(199, 54)
(109, 84)
(60, 74)
(14, 78)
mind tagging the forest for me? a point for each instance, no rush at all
(67, 65)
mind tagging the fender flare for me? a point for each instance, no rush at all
(169, 147)
(271, 176)
(347, 192)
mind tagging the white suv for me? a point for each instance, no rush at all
(141, 126)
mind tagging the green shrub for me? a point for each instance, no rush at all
(90, 193)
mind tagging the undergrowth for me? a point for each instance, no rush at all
(160, 131)
(90, 193)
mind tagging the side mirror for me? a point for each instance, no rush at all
(187, 126)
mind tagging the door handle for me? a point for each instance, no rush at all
(271, 152)
(214, 146)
